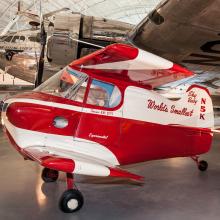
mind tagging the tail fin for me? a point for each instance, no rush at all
(199, 100)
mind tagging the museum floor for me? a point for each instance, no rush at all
(174, 189)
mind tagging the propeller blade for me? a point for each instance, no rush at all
(19, 6)
(43, 41)
(39, 76)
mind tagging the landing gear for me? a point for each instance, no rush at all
(9, 54)
(49, 175)
(201, 164)
(71, 201)
(72, 198)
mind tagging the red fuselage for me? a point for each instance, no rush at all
(131, 141)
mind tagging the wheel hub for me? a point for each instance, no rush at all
(72, 204)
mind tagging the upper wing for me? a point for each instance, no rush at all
(132, 65)
(186, 32)
(55, 159)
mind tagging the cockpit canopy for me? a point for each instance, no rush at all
(72, 84)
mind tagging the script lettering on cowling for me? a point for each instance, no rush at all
(165, 108)
(192, 97)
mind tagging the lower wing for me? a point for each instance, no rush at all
(76, 163)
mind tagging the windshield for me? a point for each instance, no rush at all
(65, 83)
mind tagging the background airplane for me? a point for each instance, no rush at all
(71, 34)
(191, 30)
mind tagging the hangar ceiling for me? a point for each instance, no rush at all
(130, 11)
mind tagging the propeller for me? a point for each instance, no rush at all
(19, 6)
(43, 41)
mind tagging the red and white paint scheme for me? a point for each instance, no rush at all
(101, 112)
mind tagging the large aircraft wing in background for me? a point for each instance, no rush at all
(186, 32)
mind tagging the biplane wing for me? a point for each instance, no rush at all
(77, 163)
(131, 65)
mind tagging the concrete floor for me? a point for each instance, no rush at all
(174, 189)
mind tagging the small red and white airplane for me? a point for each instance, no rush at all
(101, 112)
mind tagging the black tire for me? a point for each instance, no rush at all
(49, 175)
(71, 201)
(9, 55)
(203, 165)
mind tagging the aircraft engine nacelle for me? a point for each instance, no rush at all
(61, 50)
(75, 35)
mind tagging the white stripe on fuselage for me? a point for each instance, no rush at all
(26, 138)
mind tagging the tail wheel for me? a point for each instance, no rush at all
(49, 175)
(71, 201)
(203, 165)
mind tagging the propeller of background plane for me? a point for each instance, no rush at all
(43, 41)
(35, 21)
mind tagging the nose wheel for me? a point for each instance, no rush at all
(201, 164)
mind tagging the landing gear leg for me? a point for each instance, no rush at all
(201, 164)
(72, 199)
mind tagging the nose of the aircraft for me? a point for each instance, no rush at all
(19, 119)
(23, 120)
(30, 114)
(16, 114)
(23, 111)
(37, 112)
(38, 119)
